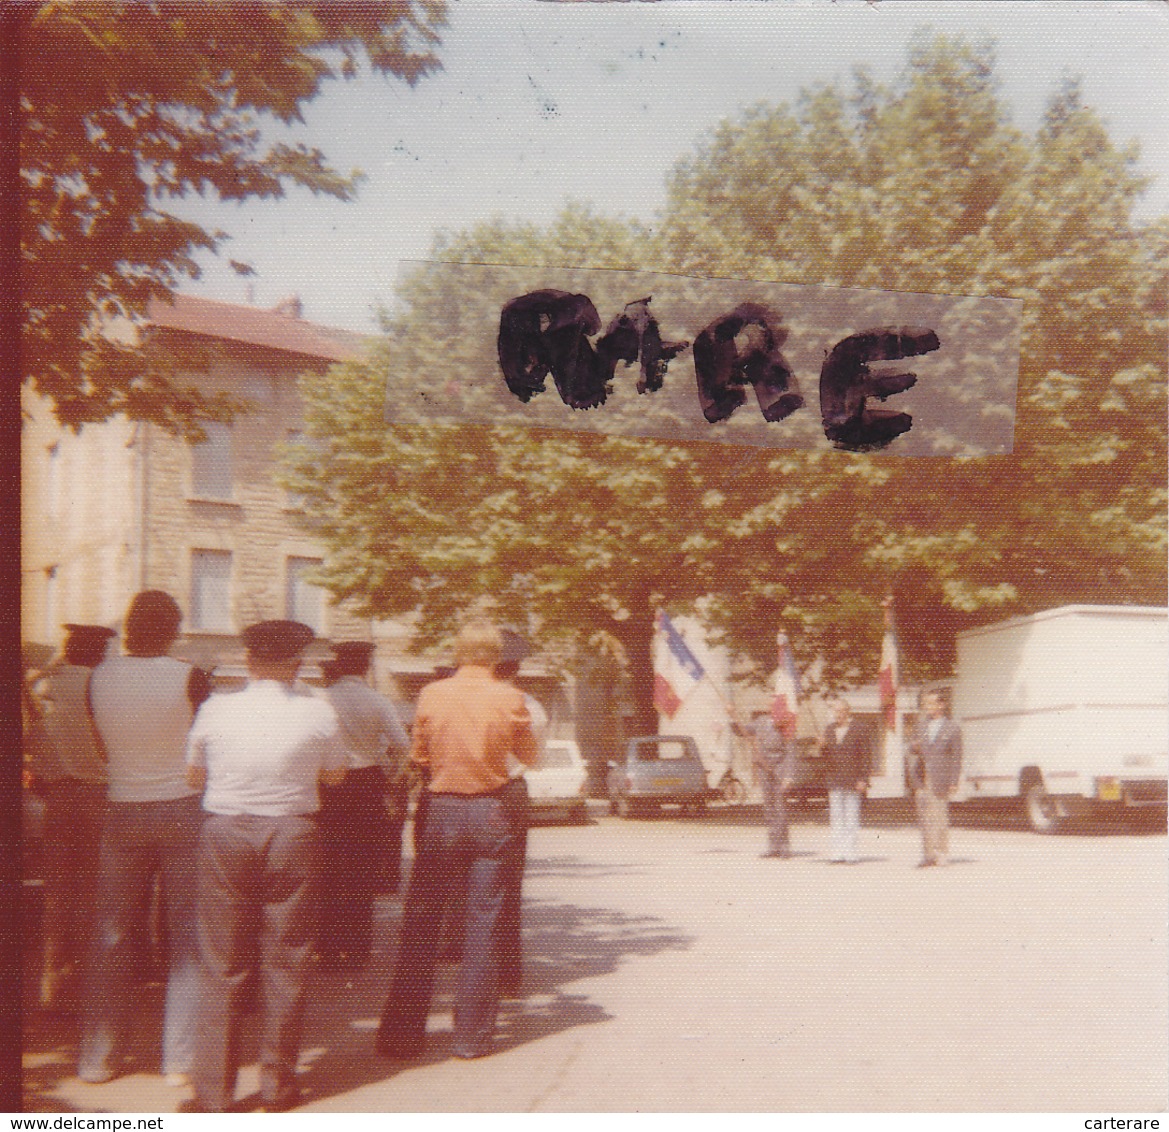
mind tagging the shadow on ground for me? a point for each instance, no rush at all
(563, 944)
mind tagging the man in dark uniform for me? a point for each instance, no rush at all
(71, 777)
(354, 821)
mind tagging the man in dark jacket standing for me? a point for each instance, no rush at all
(935, 768)
(847, 750)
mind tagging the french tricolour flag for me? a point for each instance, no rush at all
(786, 705)
(678, 670)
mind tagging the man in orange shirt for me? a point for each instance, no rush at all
(465, 728)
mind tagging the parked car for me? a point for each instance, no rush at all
(558, 782)
(658, 770)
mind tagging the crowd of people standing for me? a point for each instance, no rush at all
(252, 830)
(256, 828)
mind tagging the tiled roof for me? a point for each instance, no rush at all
(277, 329)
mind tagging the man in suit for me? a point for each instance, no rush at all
(847, 749)
(774, 759)
(936, 764)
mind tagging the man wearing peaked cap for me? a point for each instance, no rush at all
(260, 753)
(88, 641)
(355, 826)
(71, 775)
(353, 657)
(276, 640)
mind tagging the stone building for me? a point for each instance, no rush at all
(125, 506)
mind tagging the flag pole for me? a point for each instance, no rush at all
(898, 728)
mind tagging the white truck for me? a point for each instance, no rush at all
(1068, 710)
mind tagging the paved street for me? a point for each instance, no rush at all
(669, 968)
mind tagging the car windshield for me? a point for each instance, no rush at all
(651, 752)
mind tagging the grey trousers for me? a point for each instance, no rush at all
(933, 815)
(257, 915)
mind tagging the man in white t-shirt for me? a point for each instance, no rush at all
(260, 753)
(143, 703)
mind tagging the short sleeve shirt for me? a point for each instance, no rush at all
(263, 749)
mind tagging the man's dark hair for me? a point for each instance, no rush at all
(152, 623)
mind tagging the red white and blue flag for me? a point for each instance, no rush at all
(889, 676)
(678, 671)
(786, 705)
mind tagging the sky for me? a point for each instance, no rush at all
(539, 103)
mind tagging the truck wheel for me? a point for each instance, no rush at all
(1044, 813)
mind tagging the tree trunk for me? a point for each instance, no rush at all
(637, 638)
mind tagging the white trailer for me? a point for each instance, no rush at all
(1066, 710)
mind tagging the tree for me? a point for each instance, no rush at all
(927, 187)
(127, 105)
(924, 187)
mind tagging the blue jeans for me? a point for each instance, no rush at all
(844, 820)
(466, 844)
(141, 840)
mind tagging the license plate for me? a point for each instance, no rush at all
(667, 782)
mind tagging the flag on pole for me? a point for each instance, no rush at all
(786, 705)
(678, 671)
(889, 676)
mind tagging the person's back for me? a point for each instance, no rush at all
(369, 723)
(74, 752)
(143, 704)
(464, 728)
(143, 711)
(262, 749)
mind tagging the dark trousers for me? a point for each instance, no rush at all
(509, 934)
(774, 805)
(74, 815)
(397, 809)
(141, 841)
(257, 909)
(465, 843)
(353, 833)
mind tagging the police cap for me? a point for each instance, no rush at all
(276, 640)
(86, 644)
(352, 657)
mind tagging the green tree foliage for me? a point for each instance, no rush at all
(127, 105)
(921, 187)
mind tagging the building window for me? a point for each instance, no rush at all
(303, 601)
(211, 476)
(211, 590)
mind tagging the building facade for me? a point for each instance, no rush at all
(125, 506)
